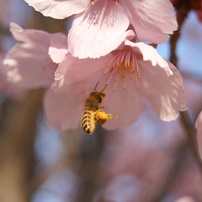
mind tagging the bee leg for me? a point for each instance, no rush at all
(101, 117)
(112, 116)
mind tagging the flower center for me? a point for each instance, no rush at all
(123, 67)
(105, 3)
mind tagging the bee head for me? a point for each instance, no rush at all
(99, 96)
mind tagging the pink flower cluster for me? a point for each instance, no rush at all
(104, 46)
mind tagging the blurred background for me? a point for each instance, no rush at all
(150, 161)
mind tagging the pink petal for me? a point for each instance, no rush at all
(126, 104)
(165, 93)
(74, 74)
(152, 20)
(29, 35)
(29, 66)
(198, 126)
(63, 111)
(149, 53)
(58, 47)
(95, 32)
(59, 8)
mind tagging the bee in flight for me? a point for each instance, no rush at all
(92, 113)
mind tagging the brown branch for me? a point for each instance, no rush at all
(17, 135)
(17, 140)
(91, 151)
(158, 193)
(189, 130)
(182, 14)
(188, 126)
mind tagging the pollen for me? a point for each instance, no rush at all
(105, 3)
(93, 2)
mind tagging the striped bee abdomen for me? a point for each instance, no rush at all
(92, 113)
(88, 122)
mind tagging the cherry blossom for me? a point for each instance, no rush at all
(28, 63)
(98, 24)
(134, 74)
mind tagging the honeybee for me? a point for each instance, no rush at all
(92, 113)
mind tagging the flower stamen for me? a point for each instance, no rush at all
(93, 1)
(115, 84)
(105, 4)
(125, 84)
(123, 67)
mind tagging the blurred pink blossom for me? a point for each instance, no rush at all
(134, 73)
(99, 24)
(185, 199)
(199, 123)
(8, 88)
(198, 126)
(28, 63)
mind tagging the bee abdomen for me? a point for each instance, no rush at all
(88, 122)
